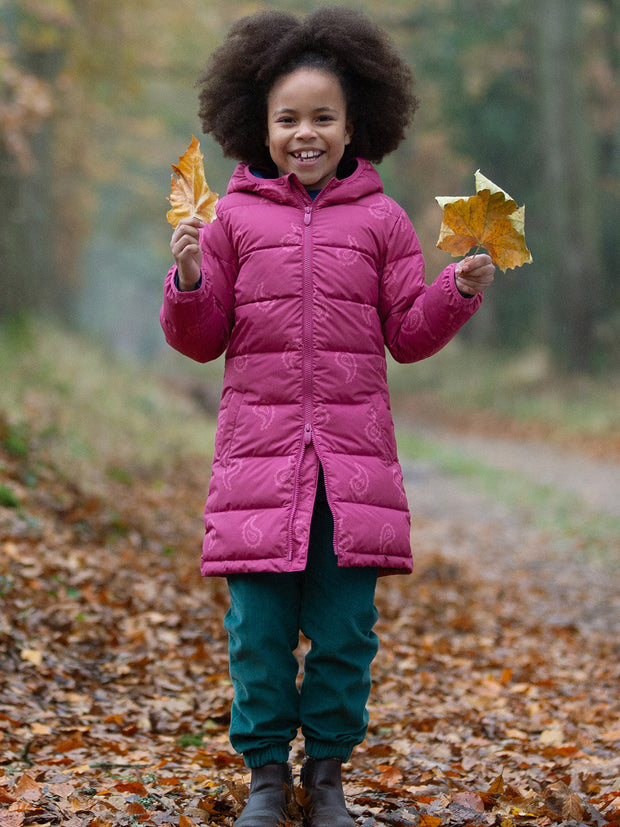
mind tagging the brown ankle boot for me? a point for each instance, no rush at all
(270, 794)
(322, 783)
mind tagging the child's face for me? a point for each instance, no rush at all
(307, 127)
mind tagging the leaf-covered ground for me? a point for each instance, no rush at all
(497, 686)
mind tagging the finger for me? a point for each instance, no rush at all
(186, 230)
(185, 252)
(475, 282)
(475, 262)
(187, 226)
(179, 243)
(190, 222)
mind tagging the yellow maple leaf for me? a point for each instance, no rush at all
(190, 195)
(489, 219)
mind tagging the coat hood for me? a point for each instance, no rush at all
(359, 178)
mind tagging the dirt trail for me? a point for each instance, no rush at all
(560, 575)
(595, 482)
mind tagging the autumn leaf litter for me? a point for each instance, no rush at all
(495, 696)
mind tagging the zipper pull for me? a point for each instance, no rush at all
(308, 215)
(308, 434)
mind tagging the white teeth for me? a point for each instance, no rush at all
(307, 155)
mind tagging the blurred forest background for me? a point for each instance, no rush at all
(97, 99)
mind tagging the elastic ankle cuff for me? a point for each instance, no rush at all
(323, 749)
(275, 754)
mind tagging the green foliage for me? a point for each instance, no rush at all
(524, 387)
(17, 440)
(5, 585)
(121, 475)
(191, 740)
(8, 498)
(124, 107)
(90, 414)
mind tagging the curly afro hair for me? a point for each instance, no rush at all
(261, 48)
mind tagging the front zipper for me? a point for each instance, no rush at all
(307, 326)
(306, 362)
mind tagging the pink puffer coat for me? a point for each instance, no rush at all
(303, 297)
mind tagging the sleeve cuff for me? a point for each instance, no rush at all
(176, 283)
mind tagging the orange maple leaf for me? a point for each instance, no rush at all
(190, 195)
(489, 219)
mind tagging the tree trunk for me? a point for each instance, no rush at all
(28, 267)
(18, 293)
(573, 266)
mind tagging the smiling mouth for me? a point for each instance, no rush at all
(307, 155)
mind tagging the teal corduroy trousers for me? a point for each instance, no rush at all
(334, 608)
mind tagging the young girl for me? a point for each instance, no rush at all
(307, 274)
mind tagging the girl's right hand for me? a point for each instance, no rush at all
(185, 246)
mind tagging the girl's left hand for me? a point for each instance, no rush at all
(474, 274)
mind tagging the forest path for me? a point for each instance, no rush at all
(562, 535)
(595, 482)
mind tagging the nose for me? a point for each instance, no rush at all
(305, 130)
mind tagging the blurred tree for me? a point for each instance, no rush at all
(26, 104)
(530, 94)
(97, 99)
(572, 252)
(79, 111)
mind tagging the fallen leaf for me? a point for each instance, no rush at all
(497, 785)
(429, 821)
(5, 798)
(40, 729)
(32, 656)
(552, 737)
(573, 808)
(72, 742)
(27, 789)
(135, 787)
(489, 219)
(11, 819)
(391, 777)
(190, 195)
(470, 800)
(558, 796)
(136, 809)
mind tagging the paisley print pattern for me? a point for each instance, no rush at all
(348, 363)
(381, 209)
(414, 320)
(264, 414)
(345, 538)
(291, 355)
(350, 254)
(285, 476)
(293, 237)
(230, 472)
(388, 535)
(251, 534)
(359, 483)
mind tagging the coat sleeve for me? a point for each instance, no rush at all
(198, 322)
(418, 319)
